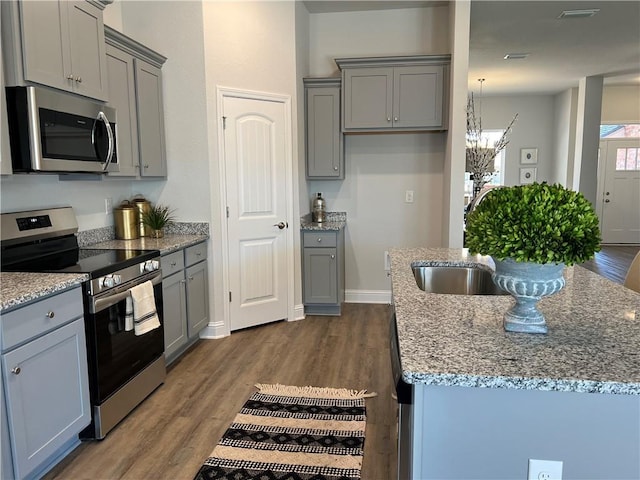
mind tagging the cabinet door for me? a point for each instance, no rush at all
(174, 304)
(150, 120)
(122, 96)
(197, 298)
(87, 49)
(417, 96)
(45, 43)
(324, 138)
(367, 98)
(320, 275)
(47, 393)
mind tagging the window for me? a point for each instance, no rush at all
(631, 130)
(627, 159)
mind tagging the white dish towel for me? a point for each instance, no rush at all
(145, 317)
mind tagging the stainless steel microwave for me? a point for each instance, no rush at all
(53, 132)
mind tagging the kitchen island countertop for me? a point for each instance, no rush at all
(459, 340)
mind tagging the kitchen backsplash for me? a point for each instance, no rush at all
(104, 234)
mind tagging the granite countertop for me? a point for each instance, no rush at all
(18, 288)
(335, 221)
(169, 243)
(459, 340)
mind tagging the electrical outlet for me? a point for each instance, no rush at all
(108, 206)
(544, 470)
(408, 196)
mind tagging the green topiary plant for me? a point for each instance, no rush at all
(537, 223)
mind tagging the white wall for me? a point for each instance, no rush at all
(621, 104)
(564, 129)
(381, 167)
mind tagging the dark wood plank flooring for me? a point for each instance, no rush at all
(613, 262)
(170, 434)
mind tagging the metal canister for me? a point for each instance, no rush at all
(125, 218)
(142, 206)
(318, 209)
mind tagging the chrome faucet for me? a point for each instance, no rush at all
(480, 196)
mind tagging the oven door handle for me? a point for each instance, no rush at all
(99, 304)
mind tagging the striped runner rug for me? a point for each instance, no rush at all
(293, 433)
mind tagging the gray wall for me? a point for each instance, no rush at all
(486, 433)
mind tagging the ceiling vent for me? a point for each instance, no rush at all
(515, 56)
(579, 13)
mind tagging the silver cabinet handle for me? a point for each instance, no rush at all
(183, 281)
(79, 79)
(335, 168)
(173, 264)
(319, 239)
(395, 119)
(16, 370)
(388, 119)
(332, 257)
(70, 76)
(146, 166)
(198, 254)
(190, 279)
(50, 314)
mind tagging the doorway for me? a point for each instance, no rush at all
(256, 187)
(619, 194)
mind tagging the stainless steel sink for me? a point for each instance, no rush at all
(455, 280)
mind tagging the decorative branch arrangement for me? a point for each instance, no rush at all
(481, 156)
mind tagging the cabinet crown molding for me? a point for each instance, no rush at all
(393, 61)
(322, 81)
(133, 47)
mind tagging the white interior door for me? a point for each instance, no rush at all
(620, 212)
(255, 170)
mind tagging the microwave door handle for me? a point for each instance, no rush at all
(102, 117)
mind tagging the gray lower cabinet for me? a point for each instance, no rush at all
(135, 90)
(323, 271)
(45, 381)
(324, 138)
(56, 43)
(394, 93)
(185, 291)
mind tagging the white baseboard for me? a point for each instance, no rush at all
(367, 296)
(215, 330)
(298, 313)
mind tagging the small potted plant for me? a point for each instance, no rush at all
(156, 218)
(532, 232)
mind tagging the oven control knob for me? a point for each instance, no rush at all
(155, 265)
(108, 281)
(117, 279)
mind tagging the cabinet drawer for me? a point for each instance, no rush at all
(38, 318)
(172, 263)
(319, 239)
(195, 253)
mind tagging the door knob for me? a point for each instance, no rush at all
(607, 201)
(281, 225)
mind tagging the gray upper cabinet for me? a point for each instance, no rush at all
(122, 96)
(150, 120)
(394, 93)
(135, 90)
(5, 151)
(324, 138)
(56, 43)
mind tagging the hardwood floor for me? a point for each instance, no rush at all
(170, 434)
(613, 262)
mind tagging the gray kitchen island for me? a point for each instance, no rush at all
(485, 401)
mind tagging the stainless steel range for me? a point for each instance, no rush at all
(124, 365)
